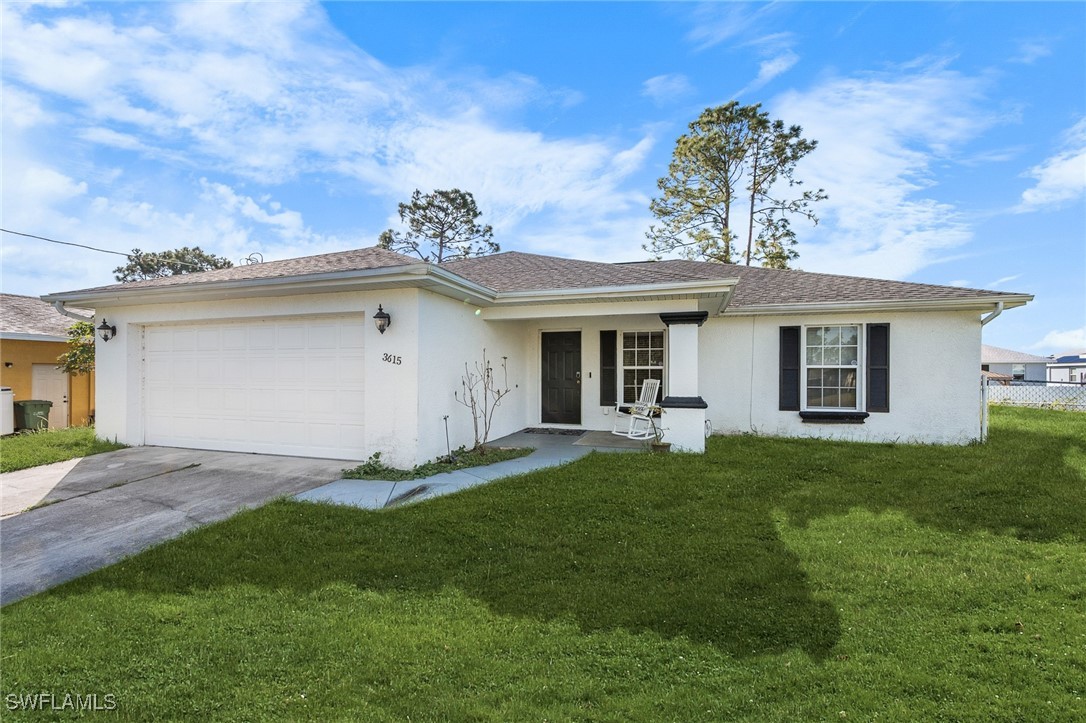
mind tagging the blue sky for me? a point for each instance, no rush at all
(952, 137)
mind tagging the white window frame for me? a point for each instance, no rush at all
(621, 341)
(861, 365)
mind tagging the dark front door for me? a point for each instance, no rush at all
(562, 377)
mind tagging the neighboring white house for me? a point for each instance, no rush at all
(1068, 368)
(1017, 365)
(284, 357)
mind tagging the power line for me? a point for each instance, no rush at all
(92, 248)
(66, 243)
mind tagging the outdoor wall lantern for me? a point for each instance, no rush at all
(382, 319)
(106, 331)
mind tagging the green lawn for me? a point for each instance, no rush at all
(769, 579)
(31, 449)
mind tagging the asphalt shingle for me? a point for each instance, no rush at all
(31, 315)
(354, 260)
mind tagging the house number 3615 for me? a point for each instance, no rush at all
(391, 359)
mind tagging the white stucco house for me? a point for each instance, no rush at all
(284, 357)
(1015, 365)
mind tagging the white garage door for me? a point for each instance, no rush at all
(286, 386)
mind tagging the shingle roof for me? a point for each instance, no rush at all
(31, 315)
(354, 260)
(516, 271)
(998, 355)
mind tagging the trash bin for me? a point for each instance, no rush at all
(32, 413)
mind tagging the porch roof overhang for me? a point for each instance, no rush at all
(712, 297)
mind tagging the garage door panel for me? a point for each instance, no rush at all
(262, 337)
(235, 338)
(184, 340)
(208, 340)
(282, 387)
(323, 337)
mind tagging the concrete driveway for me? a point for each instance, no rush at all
(112, 505)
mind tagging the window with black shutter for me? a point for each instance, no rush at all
(878, 367)
(790, 368)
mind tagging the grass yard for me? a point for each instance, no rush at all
(31, 449)
(768, 579)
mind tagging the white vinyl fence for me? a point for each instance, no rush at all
(1043, 395)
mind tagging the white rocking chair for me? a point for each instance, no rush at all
(637, 418)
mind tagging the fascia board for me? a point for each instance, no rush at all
(981, 303)
(416, 275)
(25, 336)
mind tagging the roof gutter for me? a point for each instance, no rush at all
(995, 312)
(59, 306)
(979, 304)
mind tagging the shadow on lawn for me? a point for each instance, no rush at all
(1027, 484)
(605, 544)
(679, 546)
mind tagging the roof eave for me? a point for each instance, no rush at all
(29, 336)
(420, 274)
(977, 303)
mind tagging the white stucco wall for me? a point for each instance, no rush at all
(391, 390)
(451, 335)
(934, 377)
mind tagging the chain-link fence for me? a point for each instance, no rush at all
(1043, 395)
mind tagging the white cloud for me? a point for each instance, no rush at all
(265, 93)
(879, 135)
(1061, 177)
(1030, 51)
(770, 69)
(1069, 341)
(715, 23)
(1001, 281)
(21, 110)
(666, 89)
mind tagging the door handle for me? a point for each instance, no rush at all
(578, 377)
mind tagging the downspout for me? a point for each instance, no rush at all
(59, 306)
(995, 312)
(983, 383)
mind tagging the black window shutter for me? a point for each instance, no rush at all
(790, 368)
(608, 368)
(878, 367)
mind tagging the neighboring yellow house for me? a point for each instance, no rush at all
(32, 336)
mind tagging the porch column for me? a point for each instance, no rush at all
(684, 409)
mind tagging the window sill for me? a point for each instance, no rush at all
(825, 417)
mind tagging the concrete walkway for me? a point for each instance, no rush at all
(24, 488)
(550, 450)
